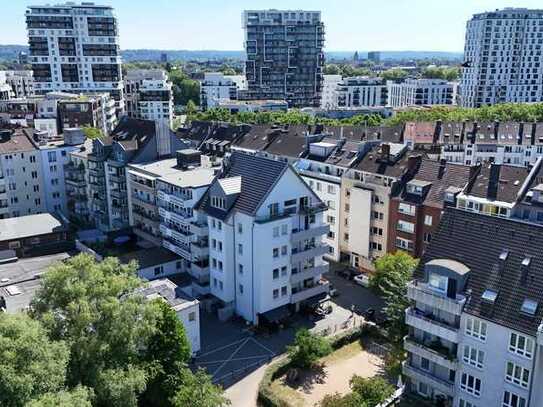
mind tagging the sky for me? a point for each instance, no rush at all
(385, 25)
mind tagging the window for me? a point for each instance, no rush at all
(283, 271)
(476, 329)
(240, 248)
(218, 202)
(284, 250)
(438, 282)
(471, 384)
(275, 274)
(331, 204)
(240, 228)
(192, 316)
(517, 375)
(529, 306)
(512, 400)
(331, 189)
(521, 345)
(214, 243)
(276, 231)
(220, 245)
(284, 229)
(240, 268)
(428, 220)
(275, 294)
(473, 356)
(407, 227)
(423, 389)
(427, 237)
(424, 364)
(241, 288)
(219, 225)
(221, 285)
(464, 403)
(275, 252)
(283, 291)
(406, 209)
(220, 265)
(158, 270)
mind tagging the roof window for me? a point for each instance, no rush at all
(529, 306)
(490, 295)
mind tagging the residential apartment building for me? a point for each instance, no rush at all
(76, 178)
(21, 82)
(75, 48)
(149, 95)
(475, 318)
(216, 87)
(420, 92)
(265, 239)
(361, 91)
(132, 141)
(6, 92)
(238, 106)
(416, 208)
(503, 58)
(329, 91)
(161, 200)
(284, 56)
(22, 182)
(366, 191)
(90, 110)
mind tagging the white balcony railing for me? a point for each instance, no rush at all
(423, 293)
(319, 288)
(417, 320)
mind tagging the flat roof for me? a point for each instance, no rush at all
(28, 226)
(146, 258)
(168, 171)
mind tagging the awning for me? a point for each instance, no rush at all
(277, 314)
(315, 300)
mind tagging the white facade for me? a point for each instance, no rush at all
(21, 82)
(149, 95)
(75, 48)
(422, 92)
(216, 86)
(361, 91)
(329, 91)
(503, 52)
(6, 92)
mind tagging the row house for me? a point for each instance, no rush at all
(475, 320)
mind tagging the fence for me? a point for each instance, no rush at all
(86, 249)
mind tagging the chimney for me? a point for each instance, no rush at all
(442, 166)
(5, 135)
(385, 152)
(413, 162)
(437, 132)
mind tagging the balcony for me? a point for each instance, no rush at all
(303, 210)
(200, 229)
(309, 233)
(167, 215)
(200, 271)
(143, 202)
(440, 355)
(441, 385)
(423, 293)
(176, 249)
(156, 240)
(310, 272)
(168, 232)
(308, 253)
(176, 200)
(319, 288)
(145, 218)
(418, 320)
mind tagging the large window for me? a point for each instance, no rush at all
(407, 227)
(406, 209)
(512, 400)
(464, 403)
(521, 345)
(517, 375)
(471, 384)
(476, 329)
(473, 356)
(438, 282)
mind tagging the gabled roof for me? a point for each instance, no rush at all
(258, 177)
(464, 237)
(290, 142)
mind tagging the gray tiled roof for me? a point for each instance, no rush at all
(499, 182)
(464, 237)
(258, 176)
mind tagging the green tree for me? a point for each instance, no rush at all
(392, 273)
(197, 390)
(372, 390)
(78, 397)
(440, 72)
(92, 132)
(348, 400)
(308, 348)
(331, 69)
(394, 74)
(168, 352)
(30, 364)
(92, 307)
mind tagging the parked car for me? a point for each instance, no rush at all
(347, 273)
(362, 279)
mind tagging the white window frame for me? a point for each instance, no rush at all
(473, 356)
(526, 351)
(464, 384)
(518, 375)
(476, 329)
(508, 400)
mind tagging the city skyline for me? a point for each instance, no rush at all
(354, 26)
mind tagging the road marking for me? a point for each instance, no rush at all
(221, 348)
(265, 347)
(231, 357)
(235, 359)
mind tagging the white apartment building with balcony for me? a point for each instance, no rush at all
(21, 82)
(161, 200)
(266, 229)
(75, 48)
(502, 55)
(329, 91)
(216, 87)
(475, 323)
(420, 92)
(149, 95)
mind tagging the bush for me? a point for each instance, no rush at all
(307, 349)
(373, 390)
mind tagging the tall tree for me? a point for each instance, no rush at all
(91, 306)
(168, 352)
(30, 364)
(198, 391)
(78, 397)
(307, 349)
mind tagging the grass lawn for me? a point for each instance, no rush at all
(346, 352)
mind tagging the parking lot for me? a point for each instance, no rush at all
(230, 351)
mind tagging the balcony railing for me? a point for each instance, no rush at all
(310, 272)
(427, 323)
(309, 233)
(431, 351)
(422, 292)
(308, 252)
(442, 385)
(308, 292)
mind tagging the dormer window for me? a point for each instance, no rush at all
(529, 306)
(504, 254)
(218, 202)
(490, 296)
(438, 282)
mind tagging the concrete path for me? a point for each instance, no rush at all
(244, 393)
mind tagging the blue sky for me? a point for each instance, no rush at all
(430, 25)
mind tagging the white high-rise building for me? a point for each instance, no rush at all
(217, 87)
(503, 57)
(420, 92)
(329, 91)
(21, 82)
(75, 48)
(149, 95)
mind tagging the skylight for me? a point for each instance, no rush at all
(504, 254)
(490, 295)
(529, 306)
(526, 262)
